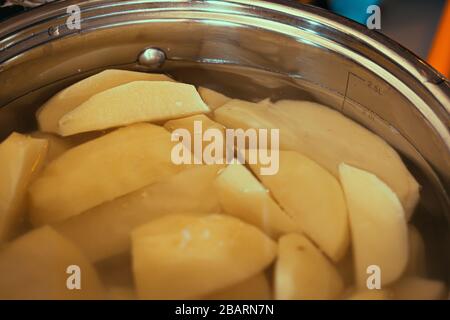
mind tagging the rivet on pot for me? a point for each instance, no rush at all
(152, 58)
(53, 31)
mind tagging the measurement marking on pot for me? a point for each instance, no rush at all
(355, 103)
(345, 93)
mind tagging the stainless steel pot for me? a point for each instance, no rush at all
(247, 49)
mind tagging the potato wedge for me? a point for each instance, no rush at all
(254, 288)
(313, 198)
(243, 196)
(213, 98)
(101, 170)
(417, 288)
(20, 158)
(58, 145)
(138, 101)
(188, 123)
(375, 294)
(377, 221)
(104, 231)
(302, 272)
(185, 257)
(417, 256)
(35, 265)
(327, 137)
(117, 277)
(197, 126)
(71, 97)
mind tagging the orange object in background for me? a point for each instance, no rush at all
(439, 56)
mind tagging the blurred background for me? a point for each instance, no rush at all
(422, 26)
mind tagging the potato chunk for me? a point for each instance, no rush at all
(133, 102)
(417, 255)
(20, 159)
(213, 98)
(101, 170)
(417, 288)
(104, 231)
(254, 288)
(313, 198)
(374, 294)
(186, 257)
(35, 266)
(57, 145)
(377, 223)
(327, 137)
(71, 97)
(243, 196)
(302, 272)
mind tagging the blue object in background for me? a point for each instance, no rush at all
(353, 9)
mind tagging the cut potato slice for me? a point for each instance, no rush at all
(117, 276)
(416, 258)
(188, 123)
(101, 170)
(197, 126)
(104, 231)
(375, 294)
(302, 272)
(416, 288)
(345, 268)
(254, 288)
(121, 293)
(183, 257)
(313, 198)
(71, 97)
(377, 223)
(133, 102)
(243, 196)
(58, 145)
(213, 98)
(327, 137)
(20, 158)
(35, 266)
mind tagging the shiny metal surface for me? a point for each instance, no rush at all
(151, 58)
(247, 49)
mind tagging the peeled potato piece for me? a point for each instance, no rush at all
(302, 272)
(375, 294)
(188, 123)
(35, 266)
(197, 126)
(243, 196)
(104, 231)
(101, 170)
(416, 288)
(327, 137)
(133, 102)
(57, 145)
(416, 258)
(313, 198)
(117, 276)
(71, 97)
(121, 293)
(185, 257)
(213, 98)
(254, 288)
(377, 223)
(20, 158)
